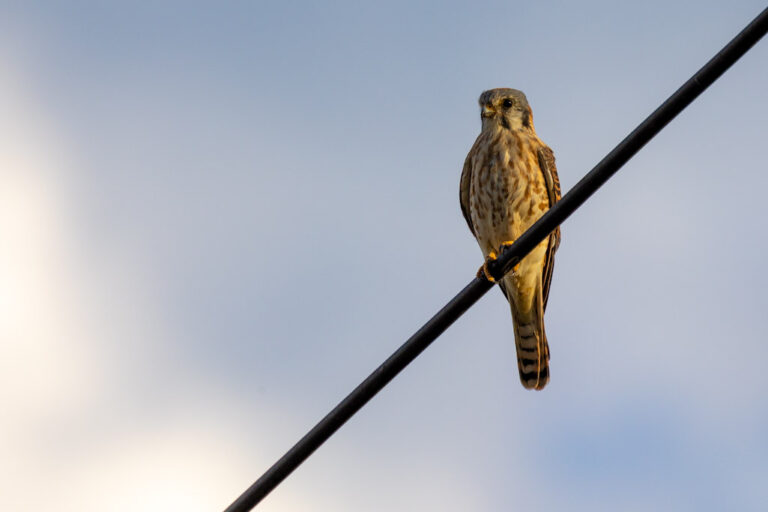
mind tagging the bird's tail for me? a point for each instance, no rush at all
(531, 344)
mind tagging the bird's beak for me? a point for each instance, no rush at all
(488, 111)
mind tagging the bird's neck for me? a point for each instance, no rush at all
(520, 131)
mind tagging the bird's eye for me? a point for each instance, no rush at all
(507, 103)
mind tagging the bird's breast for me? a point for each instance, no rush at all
(507, 187)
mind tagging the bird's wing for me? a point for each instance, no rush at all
(466, 175)
(547, 166)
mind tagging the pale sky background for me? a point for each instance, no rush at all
(217, 218)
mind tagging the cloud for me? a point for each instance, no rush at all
(82, 350)
(187, 289)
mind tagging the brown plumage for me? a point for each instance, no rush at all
(509, 180)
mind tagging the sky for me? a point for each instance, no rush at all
(216, 220)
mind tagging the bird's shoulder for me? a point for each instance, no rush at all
(548, 168)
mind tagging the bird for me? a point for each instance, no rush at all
(508, 182)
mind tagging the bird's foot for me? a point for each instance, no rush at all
(483, 272)
(501, 250)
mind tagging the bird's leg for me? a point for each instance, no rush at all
(483, 272)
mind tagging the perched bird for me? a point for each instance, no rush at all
(509, 181)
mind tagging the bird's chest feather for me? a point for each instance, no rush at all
(507, 187)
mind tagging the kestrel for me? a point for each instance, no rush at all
(509, 180)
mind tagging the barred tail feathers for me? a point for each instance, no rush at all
(532, 356)
(531, 344)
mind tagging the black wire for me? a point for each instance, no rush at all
(607, 167)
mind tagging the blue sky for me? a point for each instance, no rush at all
(217, 219)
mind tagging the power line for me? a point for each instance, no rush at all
(471, 293)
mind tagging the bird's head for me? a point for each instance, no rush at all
(505, 108)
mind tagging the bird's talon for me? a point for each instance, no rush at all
(483, 272)
(504, 245)
(501, 249)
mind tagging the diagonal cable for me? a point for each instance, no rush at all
(471, 293)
